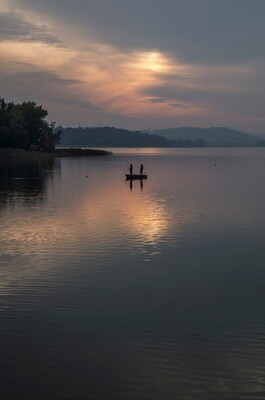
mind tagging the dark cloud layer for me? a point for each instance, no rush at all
(43, 77)
(80, 104)
(195, 31)
(14, 28)
(230, 101)
(167, 60)
(36, 85)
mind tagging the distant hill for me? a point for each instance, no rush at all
(213, 137)
(110, 137)
(114, 137)
(172, 137)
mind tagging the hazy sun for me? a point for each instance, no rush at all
(153, 61)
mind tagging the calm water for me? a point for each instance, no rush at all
(154, 291)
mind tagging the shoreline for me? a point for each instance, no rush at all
(20, 154)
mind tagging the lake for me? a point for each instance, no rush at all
(144, 290)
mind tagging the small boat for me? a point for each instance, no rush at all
(135, 176)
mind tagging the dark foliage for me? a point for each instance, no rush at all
(114, 137)
(212, 137)
(23, 126)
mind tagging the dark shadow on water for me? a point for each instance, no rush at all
(141, 182)
(25, 180)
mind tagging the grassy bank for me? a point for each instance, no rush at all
(34, 155)
(72, 152)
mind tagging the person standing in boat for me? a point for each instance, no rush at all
(131, 169)
(141, 169)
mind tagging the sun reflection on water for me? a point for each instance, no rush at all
(99, 220)
(150, 222)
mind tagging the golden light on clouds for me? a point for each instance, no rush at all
(37, 55)
(153, 61)
(92, 78)
(111, 81)
(152, 81)
(100, 78)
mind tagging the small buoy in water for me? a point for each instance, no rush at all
(214, 163)
(86, 176)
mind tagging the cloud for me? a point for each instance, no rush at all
(175, 105)
(162, 100)
(13, 27)
(156, 100)
(40, 86)
(40, 77)
(238, 88)
(38, 82)
(195, 31)
(144, 63)
(81, 104)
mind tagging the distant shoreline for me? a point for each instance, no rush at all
(19, 154)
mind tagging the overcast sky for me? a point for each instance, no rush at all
(137, 64)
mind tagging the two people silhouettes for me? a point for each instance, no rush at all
(141, 169)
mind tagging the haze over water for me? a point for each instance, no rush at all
(144, 291)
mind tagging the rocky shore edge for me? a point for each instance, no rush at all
(19, 154)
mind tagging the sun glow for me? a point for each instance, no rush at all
(153, 61)
(103, 81)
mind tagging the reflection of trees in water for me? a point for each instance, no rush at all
(25, 181)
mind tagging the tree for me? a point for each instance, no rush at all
(24, 126)
(6, 110)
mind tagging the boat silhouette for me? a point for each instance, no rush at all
(135, 176)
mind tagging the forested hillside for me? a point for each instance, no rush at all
(110, 137)
(114, 137)
(213, 137)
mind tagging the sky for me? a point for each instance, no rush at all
(141, 64)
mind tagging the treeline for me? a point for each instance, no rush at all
(110, 137)
(114, 137)
(212, 137)
(23, 126)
